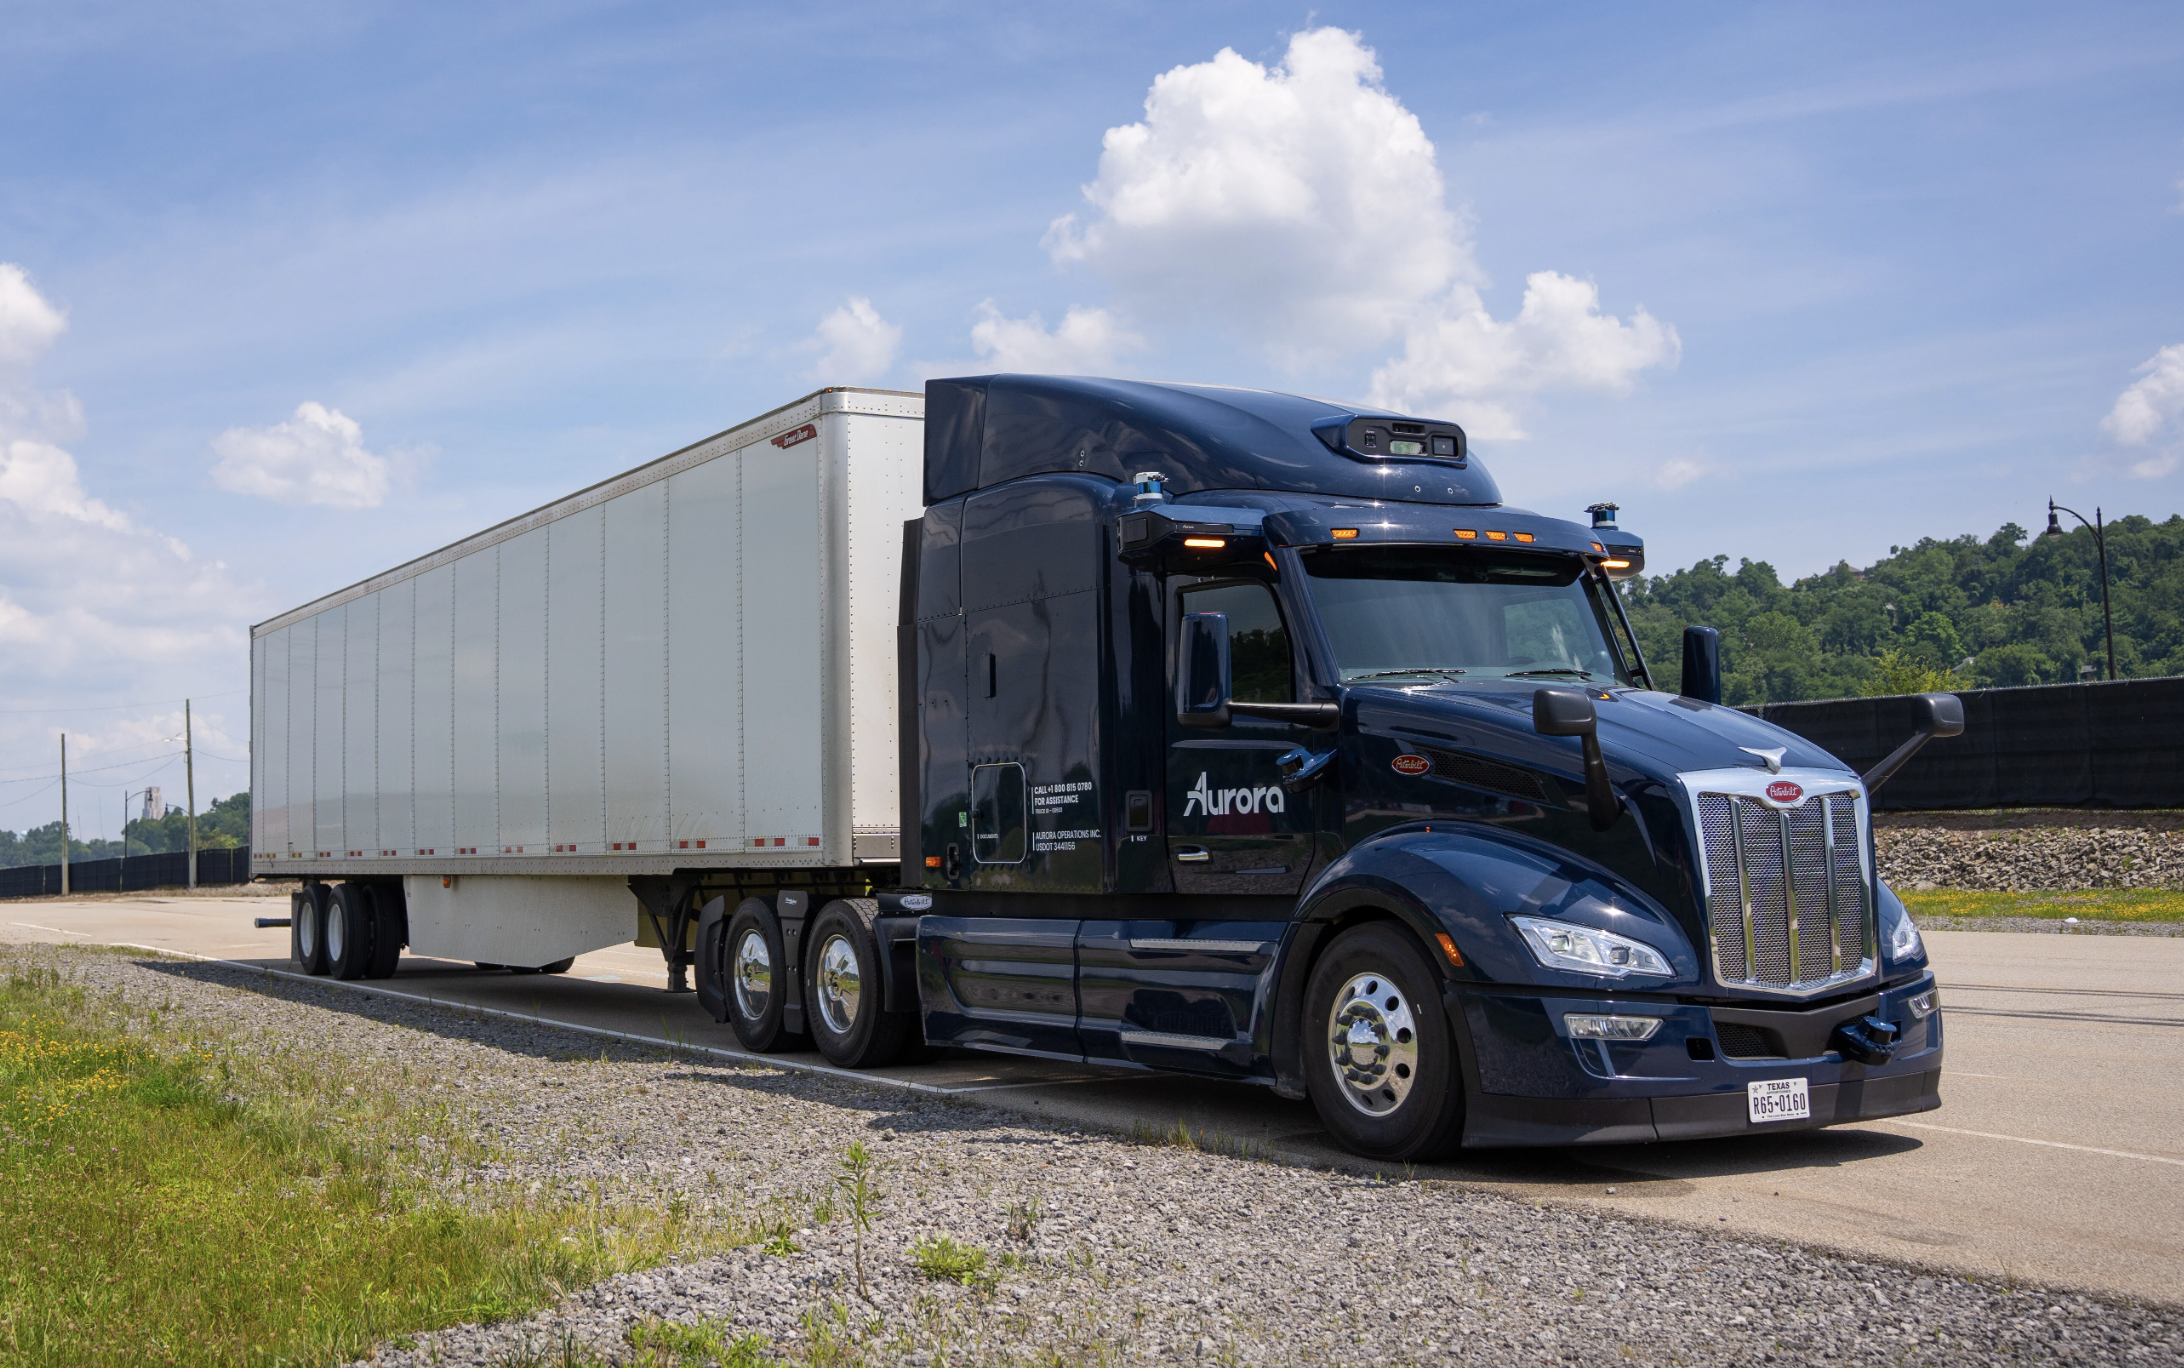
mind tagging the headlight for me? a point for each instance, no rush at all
(1592, 1026)
(1922, 1005)
(1903, 938)
(1583, 950)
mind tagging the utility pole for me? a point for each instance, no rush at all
(189, 789)
(64, 814)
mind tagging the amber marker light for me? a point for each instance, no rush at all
(1615, 564)
(1524, 536)
(1344, 534)
(1598, 547)
(1497, 536)
(1466, 534)
(1448, 948)
(932, 862)
(1205, 543)
(1270, 562)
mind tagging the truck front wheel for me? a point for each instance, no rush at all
(1379, 1054)
(845, 990)
(758, 981)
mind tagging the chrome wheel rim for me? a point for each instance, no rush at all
(1372, 1041)
(333, 933)
(840, 984)
(752, 975)
(307, 931)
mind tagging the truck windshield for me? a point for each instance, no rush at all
(1424, 613)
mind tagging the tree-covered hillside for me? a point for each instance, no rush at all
(222, 826)
(2021, 610)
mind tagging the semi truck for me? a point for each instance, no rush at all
(1167, 727)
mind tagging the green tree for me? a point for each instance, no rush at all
(2024, 611)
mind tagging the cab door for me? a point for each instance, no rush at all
(1231, 828)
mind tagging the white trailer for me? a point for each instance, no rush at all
(687, 670)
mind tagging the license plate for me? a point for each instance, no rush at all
(1780, 1099)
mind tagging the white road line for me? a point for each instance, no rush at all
(54, 929)
(1965, 1073)
(2048, 1144)
(786, 1065)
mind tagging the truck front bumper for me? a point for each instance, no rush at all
(1529, 1083)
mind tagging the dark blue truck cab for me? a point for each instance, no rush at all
(1251, 737)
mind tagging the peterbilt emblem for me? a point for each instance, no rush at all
(1407, 763)
(1783, 791)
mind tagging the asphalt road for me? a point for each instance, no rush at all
(2057, 1157)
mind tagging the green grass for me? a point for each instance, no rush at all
(195, 1199)
(2101, 904)
(944, 1260)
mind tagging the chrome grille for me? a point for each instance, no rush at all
(1785, 890)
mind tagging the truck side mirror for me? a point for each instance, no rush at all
(1702, 664)
(1932, 715)
(1202, 671)
(1566, 712)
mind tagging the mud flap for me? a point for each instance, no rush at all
(712, 976)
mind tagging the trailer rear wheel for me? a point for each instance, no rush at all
(349, 931)
(757, 973)
(390, 930)
(845, 990)
(307, 928)
(1379, 1051)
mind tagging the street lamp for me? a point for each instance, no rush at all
(2100, 545)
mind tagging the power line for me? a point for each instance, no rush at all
(94, 769)
(32, 794)
(115, 707)
(33, 778)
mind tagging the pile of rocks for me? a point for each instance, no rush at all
(2029, 852)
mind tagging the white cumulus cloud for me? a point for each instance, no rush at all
(90, 599)
(28, 322)
(1084, 342)
(860, 345)
(1299, 204)
(316, 457)
(1676, 472)
(2152, 401)
(41, 481)
(1301, 208)
(1460, 360)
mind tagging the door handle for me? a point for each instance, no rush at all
(1191, 855)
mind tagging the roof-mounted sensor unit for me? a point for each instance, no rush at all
(1394, 439)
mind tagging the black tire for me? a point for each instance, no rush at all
(349, 931)
(1397, 1091)
(390, 930)
(756, 974)
(489, 968)
(307, 928)
(845, 989)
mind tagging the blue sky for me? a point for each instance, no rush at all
(1859, 273)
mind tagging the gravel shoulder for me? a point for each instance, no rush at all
(1992, 852)
(1101, 1250)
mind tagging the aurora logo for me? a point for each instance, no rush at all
(1211, 802)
